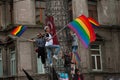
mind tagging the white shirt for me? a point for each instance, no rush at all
(75, 40)
(50, 42)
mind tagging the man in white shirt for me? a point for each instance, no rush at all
(49, 44)
(74, 42)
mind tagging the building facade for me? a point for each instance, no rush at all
(99, 62)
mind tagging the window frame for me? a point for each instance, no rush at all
(92, 3)
(6, 15)
(42, 71)
(95, 57)
(1, 59)
(70, 9)
(39, 18)
(12, 72)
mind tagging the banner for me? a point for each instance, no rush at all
(50, 23)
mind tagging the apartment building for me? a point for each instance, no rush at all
(99, 62)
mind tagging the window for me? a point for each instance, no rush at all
(12, 61)
(1, 17)
(96, 57)
(92, 9)
(40, 12)
(6, 14)
(40, 66)
(70, 9)
(1, 66)
(11, 11)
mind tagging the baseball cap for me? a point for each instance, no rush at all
(46, 27)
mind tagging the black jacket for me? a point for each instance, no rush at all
(76, 77)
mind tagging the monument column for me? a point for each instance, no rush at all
(59, 10)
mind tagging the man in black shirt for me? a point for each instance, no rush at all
(40, 42)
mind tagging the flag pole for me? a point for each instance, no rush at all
(52, 37)
(56, 32)
(14, 37)
(23, 38)
(59, 31)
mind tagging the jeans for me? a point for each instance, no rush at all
(74, 48)
(49, 51)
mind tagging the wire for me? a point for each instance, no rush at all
(59, 31)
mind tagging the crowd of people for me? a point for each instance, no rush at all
(46, 44)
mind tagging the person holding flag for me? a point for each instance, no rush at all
(74, 42)
(50, 44)
(41, 50)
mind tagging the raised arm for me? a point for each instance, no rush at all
(31, 40)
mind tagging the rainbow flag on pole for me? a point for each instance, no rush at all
(83, 29)
(19, 30)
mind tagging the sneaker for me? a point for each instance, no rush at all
(51, 64)
(55, 57)
(45, 65)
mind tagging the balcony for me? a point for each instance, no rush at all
(35, 77)
(7, 78)
(6, 0)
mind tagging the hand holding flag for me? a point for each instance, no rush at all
(83, 29)
(18, 31)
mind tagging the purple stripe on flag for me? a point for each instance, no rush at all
(72, 28)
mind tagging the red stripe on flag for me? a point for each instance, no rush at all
(89, 26)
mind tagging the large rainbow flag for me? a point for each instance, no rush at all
(19, 30)
(83, 29)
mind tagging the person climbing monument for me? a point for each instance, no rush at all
(50, 45)
(74, 42)
(41, 50)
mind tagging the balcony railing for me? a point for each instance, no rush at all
(8, 78)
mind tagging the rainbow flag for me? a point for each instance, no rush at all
(19, 30)
(83, 29)
(77, 57)
(93, 22)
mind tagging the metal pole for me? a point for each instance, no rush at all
(59, 31)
